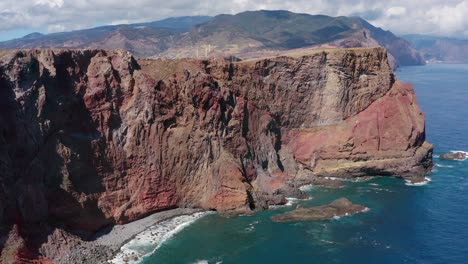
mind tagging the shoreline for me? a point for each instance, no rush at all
(151, 239)
(107, 243)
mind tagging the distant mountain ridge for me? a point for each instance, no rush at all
(142, 39)
(440, 49)
(245, 35)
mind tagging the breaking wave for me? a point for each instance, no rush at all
(443, 166)
(461, 151)
(148, 241)
(426, 181)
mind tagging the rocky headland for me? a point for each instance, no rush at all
(94, 138)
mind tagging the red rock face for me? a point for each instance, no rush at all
(92, 138)
(387, 138)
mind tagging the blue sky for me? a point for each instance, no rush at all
(15, 33)
(18, 18)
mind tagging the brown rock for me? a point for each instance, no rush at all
(337, 208)
(454, 156)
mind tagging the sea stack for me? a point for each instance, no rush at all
(91, 138)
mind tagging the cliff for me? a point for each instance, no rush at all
(440, 49)
(91, 138)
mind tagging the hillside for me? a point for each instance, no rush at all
(267, 33)
(142, 39)
(440, 49)
(246, 35)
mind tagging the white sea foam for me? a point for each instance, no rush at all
(204, 261)
(251, 226)
(333, 178)
(327, 241)
(249, 229)
(365, 210)
(335, 217)
(291, 201)
(363, 179)
(306, 188)
(426, 181)
(465, 152)
(272, 207)
(455, 151)
(148, 241)
(443, 166)
(380, 189)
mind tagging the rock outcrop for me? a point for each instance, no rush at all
(456, 155)
(91, 138)
(337, 208)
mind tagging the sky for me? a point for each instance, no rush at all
(433, 17)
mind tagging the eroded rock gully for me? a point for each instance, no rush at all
(90, 138)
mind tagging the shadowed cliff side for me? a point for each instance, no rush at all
(92, 138)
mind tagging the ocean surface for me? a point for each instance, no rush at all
(405, 224)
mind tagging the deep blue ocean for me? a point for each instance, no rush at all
(405, 224)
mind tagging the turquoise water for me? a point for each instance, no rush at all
(405, 224)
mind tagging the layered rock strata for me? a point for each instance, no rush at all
(90, 138)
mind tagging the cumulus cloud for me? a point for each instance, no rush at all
(50, 3)
(447, 18)
(450, 18)
(56, 28)
(396, 11)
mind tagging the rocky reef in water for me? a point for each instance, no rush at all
(338, 208)
(92, 138)
(455, 155)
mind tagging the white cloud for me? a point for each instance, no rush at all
(50, 3)
(55, 28)
(450, 18)
(396, 11)
(119, 22)
(400, 16)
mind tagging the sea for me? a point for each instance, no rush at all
(405, 223)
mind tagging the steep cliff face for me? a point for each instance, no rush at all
(92, 138)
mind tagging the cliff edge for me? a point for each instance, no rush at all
(91, 138)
